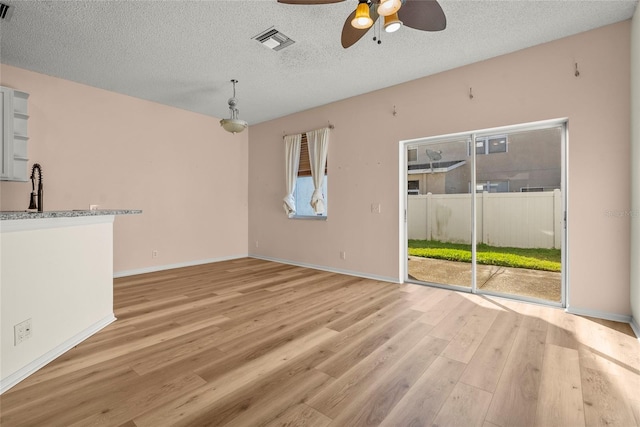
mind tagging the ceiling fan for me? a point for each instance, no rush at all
(425, 15)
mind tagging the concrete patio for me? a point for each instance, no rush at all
(544, 285)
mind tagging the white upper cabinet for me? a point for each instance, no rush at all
(14, 114)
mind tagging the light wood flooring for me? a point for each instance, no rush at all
(256, 343)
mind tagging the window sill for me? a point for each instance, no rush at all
(311, 217)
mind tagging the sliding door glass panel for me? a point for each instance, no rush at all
(519, 217)
(439, 226)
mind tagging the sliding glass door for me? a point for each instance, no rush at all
(439, 212)
(485, 211)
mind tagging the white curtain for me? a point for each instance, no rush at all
(291, 161)
(318, 143)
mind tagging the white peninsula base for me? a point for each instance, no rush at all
(57, 272)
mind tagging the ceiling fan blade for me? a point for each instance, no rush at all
(309, 1)
(350, 34)
(425, 15)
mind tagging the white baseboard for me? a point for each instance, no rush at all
(21, 374)
(599, 314)
(155, 268)
(329, 269)
(635, 327)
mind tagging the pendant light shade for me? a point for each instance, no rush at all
(362, 19)
(389, 7)
(392, 23)
(233, 124)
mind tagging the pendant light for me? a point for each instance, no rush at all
(362, 19)
(233, 124)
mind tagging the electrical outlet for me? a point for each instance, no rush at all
(343, 255)
(22, 332)
(27, 329)
(256, 243)
(154, 253)
(375, 208)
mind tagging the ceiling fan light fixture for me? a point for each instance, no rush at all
(389, 7)
(362, 19)
(392, 23)
(233, 124)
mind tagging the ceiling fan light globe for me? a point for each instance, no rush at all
(362, 19)
(389, 7)
(392, 23)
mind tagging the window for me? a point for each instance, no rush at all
(306, 162)
(304, 184)
(412, 155)
(531, 189)
(497, 144)
(304, 190)
(492, 186)
(490, 145)
(413, 187)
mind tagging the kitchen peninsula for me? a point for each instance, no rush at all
(57, 280)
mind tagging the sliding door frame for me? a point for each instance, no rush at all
(403, 206)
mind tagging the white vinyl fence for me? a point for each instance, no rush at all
(521, 220)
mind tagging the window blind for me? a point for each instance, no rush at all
(305, 164)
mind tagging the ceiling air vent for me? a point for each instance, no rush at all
(5, 11)
(274, 39)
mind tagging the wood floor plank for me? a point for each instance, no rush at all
(196, 401)
(457, 317)
(465, 406)
(604, 404)
(297, 390)
(516, 397)
(360, 329)
(258, 393)
(300, 415)
(18, 406)
(363, 311)
(128, 405)
(352, 354)
(249, 342)
(175, 351)
(625, 378)
(561, 330)
(422, 402)
(428, 298)
(560, 402)
(235, 358)
(444, 307)
(466, 341)
(335, 398)
(635, 407)
(371, 408)
(486, 365)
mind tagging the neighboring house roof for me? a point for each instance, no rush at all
(436, 167)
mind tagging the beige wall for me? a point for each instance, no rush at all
(97, 147)
(529, 85)
(635, 173)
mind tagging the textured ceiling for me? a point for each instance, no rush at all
(183, 53)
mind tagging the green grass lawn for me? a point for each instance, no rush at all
(533, 258)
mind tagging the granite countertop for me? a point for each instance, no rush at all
(13, 215)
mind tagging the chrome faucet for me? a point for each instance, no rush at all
(32, 203)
